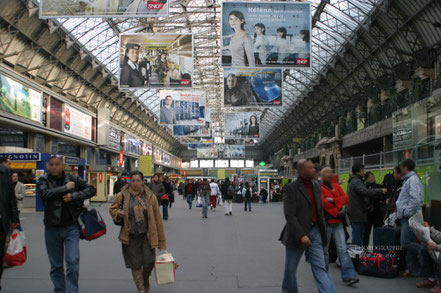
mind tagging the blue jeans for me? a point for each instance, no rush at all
(337, 232)
(358, 233)
(165, 210)
(189, 200)
(63, 242)
(413, 249)
(323, 279)
(247, 202)
(205, 201)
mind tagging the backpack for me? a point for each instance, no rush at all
(230, 190)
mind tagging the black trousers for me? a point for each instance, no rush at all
(3, 234)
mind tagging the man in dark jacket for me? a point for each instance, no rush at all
(190, 192)
(227, 190)
(359, 195)
(305, 230)
(119, 184)
(8, 210)
(63, 195)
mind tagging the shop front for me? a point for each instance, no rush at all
(102, 178)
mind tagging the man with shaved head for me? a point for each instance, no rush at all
(305, 229)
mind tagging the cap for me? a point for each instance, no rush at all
(132, 46)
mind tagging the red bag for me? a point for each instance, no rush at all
(16, 253)
(164, 197)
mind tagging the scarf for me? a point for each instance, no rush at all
(140, 205)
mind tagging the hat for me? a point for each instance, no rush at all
(132, 46)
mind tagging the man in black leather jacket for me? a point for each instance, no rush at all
(63, 195)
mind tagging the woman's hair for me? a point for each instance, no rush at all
(366, 176)
(262, 26)
(253, 116)
(135, 173)
(283, 31)
(305, 34)
(239, 15)
(325, 169)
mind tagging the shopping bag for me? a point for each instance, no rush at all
(16, 253)
(379, 265)
(199, 202)
(91, 224)
(165, 267)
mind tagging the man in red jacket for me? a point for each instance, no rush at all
(334, 199)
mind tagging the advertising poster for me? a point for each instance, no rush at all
(250, 87)
(208, 153)
(132, 145)
(77, 122)
(182, 108)
(19, 100)
(146, 165)
(195, 146)
(195, 131)
(266, 34)
(104, 8)
(196, 140)
(438, 127)
(234, 151)
(242, 125)
(156, 61)
(236, 141)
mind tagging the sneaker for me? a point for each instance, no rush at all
(428, 284)
(410, 275)
(227, 214)
(437, 289)
(231, 213)
(351, 281)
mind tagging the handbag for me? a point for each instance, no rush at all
(121, 221)
(91, 224)
(379, 265)
(164, 197)
(16, 252)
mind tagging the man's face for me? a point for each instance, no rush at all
(155, 178)
(362, 172)
(14, 177)
(168, 101)
(7, 163)
(309, 170)
(397, 176)
(55, 167)
(133, 55)
(231, 81)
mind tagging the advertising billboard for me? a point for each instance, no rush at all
(234, 151)
(77, 123)
(207, 153)
(182, 108)
(195, 131)
(242, 125)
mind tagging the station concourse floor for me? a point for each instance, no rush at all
(234, 254)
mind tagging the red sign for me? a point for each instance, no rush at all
(155, 5)
(301, 61)
(185, 82)
(101, 177)
(406, 154)
(121, 158)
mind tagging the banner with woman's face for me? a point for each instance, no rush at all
(242, 125)
(266, 34)
(156, 61)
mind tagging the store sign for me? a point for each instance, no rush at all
(22, 157)
(101, 177)
(71, 161)
(77, 123)
(121, 158)
(114, 140)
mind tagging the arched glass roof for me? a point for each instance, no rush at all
(335, 22)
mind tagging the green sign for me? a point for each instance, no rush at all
(262, 164)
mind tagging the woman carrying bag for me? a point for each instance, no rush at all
(142, 230)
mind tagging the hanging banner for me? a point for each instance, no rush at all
(104, 8)
(146, 165)
(247, 87)
(156, 61)
(182, 108)
(198, 131)
(77, 122)
(208, 153)
(18, 99)
(195, 146)
(234, 151)
(242, 125)
(266, 34)
(196, 140)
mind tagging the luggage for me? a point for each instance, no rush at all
(379, 265)
(387, 239)
(165, 267)
(16, 252)
(355, 253)
(91, 224)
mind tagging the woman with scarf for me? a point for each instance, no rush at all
(142, 230)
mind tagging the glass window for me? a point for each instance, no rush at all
(12, 137)
(237, 164)
(103, 158)
(222, 163)
(68, 149)
(206, 163)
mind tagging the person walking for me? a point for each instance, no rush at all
(165, 198)
(408, 204)
(118, 185)
(215, 192)
(190, 192)
(204, 193)
(228, 195)
(305, 230)
(142, 229)
(157, 187)
(173, 192)
(359, 195)
(247, 196)
(9, 215)
(63, 197)
(20, 191)
(334, 199)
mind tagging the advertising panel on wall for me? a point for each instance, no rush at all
(114, 140)
(18, 99)
(146, 165)
(198, 131)
(242, 125)
(147, 149)
(266, 34)
(132, 145)
(156, 61)
(208, 153)
(166, 159)
(182, 108)
(104, 8)
(77, 123)
(234, 151)
(158, 156)
(250, 87)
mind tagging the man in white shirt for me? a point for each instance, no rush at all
(215, 191)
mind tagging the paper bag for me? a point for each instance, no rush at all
(165, 269)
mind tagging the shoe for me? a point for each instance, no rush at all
(410, 275)
(231, 213)
(351, 281)
(211, 208)
(437, 289)
(428, 284)
(227, 214)
(245, 210)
